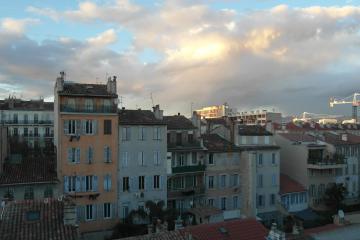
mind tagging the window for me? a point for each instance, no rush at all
(178, 139)
(107, 210)
(190, 137)
(223, 203)
(223, 181)
(90, 155)
(260, 159)
(235, 202)
(73, 155)
(194, 158)
(273, 180)
(47, 132)
(107, 105)
(125, 184)
(156, 182)
(107, 154)
(16, 132)
(89, 105)
(182, 159)
(70, 183)
(89, 212)
(235, 180)
(211, 202)
(211, 182)
(211, 158)
(107, 127)
(141, 159)
(312, 190)
(15, 118)
(89, 183)
(141, 182)
(260, 180)
(125, 159)
(26, 132)
(272, 199)
(26, 119)
(125, 211)
(89, 127)
(70, 127)
(36, 132)
(36, 118)
(157, 133)
(125, 134)
(107, 182)
(156, 158)
(273, 158)
(260, 201)
(71, 104)
(48, 192)
(354, 169)
(142, 133)
(29, 193)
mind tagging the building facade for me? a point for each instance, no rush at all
(186, 166)
(4, 148)
(260, 117)
(31, 121)
(142, 159)
(86, 127)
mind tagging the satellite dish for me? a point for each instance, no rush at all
(341, 214)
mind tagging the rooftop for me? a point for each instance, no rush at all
(29, 170)
(337, 139)
(289, 185)
(298, 137)
(138, 117)
(204, 212)
(35, 220)
(178, 122)
(213, 142)
(26, 105)
(253, 130)
(82, 89)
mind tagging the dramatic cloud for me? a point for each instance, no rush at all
(17, 25)
(293, 59)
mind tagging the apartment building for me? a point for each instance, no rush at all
(4, 148)
(186, 166)
(215, 111)
(223, 175)
(260, 117)
(294, 196)
(260, 166)
(86, 127)
(142, 159)
(309, 162)
(29, 121)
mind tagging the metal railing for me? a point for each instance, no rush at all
(84, 109)
(189, 169)
(25, 122)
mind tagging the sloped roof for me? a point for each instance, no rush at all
(24, 105)
(253, 130)
(289, 185)
(337, 139)
(298, 137)
(178, 122)
(15, 225)
(138, 117)
(82, 89)
(30, 170)
(213, 142)
(167, 235)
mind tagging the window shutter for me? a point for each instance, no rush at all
(78, 126)
(207, 182)
(83, 124)
(148, 181)
(109, 182)
(136, 184)
(77, 155)
(139, 158)
(94, 210)
(66, 184)
(113, 210)
(162, 182)
(95, 127)
(69, 155)
(100, 211)
(66, 127)
(105, 149)
(78, 184)
(83, 184)
(105, 182)
(95, 182)
(110, 159)
(120, 186)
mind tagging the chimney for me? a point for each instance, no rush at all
(157, 112)
(60, 82)
(11, 102)
(178, 114)
(111, 85)
(344, 137)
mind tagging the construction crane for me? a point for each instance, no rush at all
(309, 117)
(352, 99)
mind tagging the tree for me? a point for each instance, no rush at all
(334, 195)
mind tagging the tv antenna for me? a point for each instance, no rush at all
(152, 99)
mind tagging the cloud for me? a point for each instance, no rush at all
(17, 26)
(105, 38)
(291, 58)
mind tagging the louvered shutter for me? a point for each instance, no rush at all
(83, 124)
(69, 155)
(162, 182)
(95, 179)
(66, 184)
(78, 126)
(77, 155)
(100, 211)
(77, 183)
(83, 184)
(66, 127)
(148, 185)
(95, 127)
(136, 184)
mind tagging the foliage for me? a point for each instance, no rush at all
(334, 196)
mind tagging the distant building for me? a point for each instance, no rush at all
(29, 121)
(4, 148)
(186, 166)
(215, 111)
(294, 196)
(142, 159)
(28, 178)
(37, 219)
(86, 130)
(258, 117)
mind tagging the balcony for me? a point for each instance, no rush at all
(27, 122)
(83, 109)
(184, 146)
(187, 191)
(336, 162)
(188, 169)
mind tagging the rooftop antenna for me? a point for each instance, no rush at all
(191, 108)
(152, 99)
(121, 101)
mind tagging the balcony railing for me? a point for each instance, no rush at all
(83, 109)
(27, 122)
(187, 145)
(188, 169)
(187, 191)
(326, 163)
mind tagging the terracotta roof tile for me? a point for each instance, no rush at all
(253, 130)
(31, 105)
(289, 185)
(213, 142)
(138, 117)
(178, 122)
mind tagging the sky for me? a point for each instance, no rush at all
(259, 54)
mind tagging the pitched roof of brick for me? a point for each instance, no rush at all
(178, 122)
(30, 170)
(238, 229)
(253, 130)
(138, 117)
(213, 142)
(336, 139)
(15, 225)
(289, 185)
(24, 105)
(298, 137)
(82, 89)
(167, 235)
